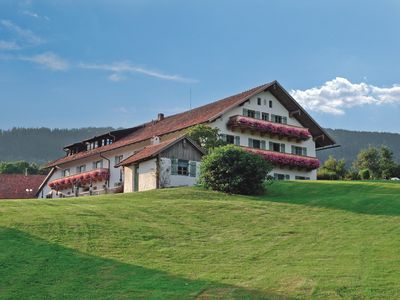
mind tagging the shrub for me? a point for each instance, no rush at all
(232, 170)
(324, 174)
(352, 174)
(365, 174)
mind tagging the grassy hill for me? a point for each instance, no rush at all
(326, 240)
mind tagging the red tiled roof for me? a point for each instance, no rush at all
(152, 150)
(172, 123)
(13, 186)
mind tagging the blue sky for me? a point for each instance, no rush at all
(118, 63)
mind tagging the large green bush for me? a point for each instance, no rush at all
(232, 170)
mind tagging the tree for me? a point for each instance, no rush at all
(386, 162)
(232, 170)
(207, 137)
(369, 159)
(332, 169)
(21, 167)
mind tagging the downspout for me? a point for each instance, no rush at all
(109, 168)
(158, 172)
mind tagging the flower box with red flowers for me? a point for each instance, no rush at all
(286, 159)
(279, 129)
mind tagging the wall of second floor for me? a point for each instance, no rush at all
(264, 103)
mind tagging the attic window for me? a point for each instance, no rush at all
(258, 101)
(270, 103)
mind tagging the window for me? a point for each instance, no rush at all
(277, 147)
(265, 116)
(299, 150)
(278, 176)
(258, 101)
(258, 144)
(270, 103)
(183, 167)
(118, 159)
(81, 169)
(98, 164)
(302, 178)
(65, 172)
(230, 139)
(279, 119)
(249, 113)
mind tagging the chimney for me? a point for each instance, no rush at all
(160, 117)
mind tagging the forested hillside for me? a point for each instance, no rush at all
(40, 145)
(43, 144)
(353, 141)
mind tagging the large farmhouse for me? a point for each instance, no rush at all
(265, 120)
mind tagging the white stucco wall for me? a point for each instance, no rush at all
(88, 162)
(147, 175)
(277, 109)
(168, 180)
(128, 178)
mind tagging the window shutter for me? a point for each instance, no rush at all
(223, 137)
(250, 142)
(192, 169)
(174, 166)
(273, 119)
(245, 112)
(287, 177)
(283, 148)
(257, 115)
(305, 151)
(237, 140)
(284, 120)
(293, 150)
(271, 146)
(262, 145)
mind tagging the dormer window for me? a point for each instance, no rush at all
(65, 172)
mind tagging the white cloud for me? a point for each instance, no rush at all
(25, 34)
(48, 60)
(116, 77)
(8, 45)
(126, 68)
(34, 15)
(334, 96)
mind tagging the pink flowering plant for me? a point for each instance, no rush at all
(285, 159)
(270, 127)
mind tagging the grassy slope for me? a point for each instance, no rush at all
(301, 240)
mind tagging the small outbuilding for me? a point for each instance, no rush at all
(170, 163)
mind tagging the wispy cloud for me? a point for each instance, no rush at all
(119, 68)
(34, 15)
(116, 77)
(334, 96)
(8, 45)
(47, 60)
(25, 35)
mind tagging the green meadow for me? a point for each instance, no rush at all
(301, 240)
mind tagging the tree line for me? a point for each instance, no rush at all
(371, 163)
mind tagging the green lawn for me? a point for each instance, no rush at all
(322, 240)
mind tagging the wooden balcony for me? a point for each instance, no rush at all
(274, 130)
(286, 159)
(80, 179)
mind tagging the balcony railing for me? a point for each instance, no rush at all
(266, 127)
(80, 179)
(286, 159)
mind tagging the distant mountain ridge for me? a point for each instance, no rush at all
(41, 145)
(351, 142)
